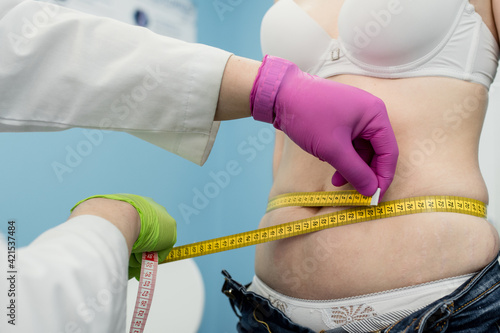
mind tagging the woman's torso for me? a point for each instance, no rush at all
(437, 122)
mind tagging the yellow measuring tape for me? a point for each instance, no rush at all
(344, 217)
(323, 199)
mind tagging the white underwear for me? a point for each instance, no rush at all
(365, 313)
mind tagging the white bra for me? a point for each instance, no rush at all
(386, 39)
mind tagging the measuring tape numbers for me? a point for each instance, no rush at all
(387, 209)
(323, 199)
(365, 209)
(145, 292)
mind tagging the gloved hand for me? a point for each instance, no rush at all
(325, 118)
(158, 229)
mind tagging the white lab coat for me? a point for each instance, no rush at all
(71, 279)
(61, 69)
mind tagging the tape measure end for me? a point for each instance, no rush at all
(375, 198)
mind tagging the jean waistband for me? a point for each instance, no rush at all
(247, 304)
(465, 295)
(475, 289)
(476, 300)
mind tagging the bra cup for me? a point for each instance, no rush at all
(386, 39)
(287, 32)
(391, 33)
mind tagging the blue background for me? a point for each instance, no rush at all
(33, 194)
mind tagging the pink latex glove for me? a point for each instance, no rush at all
(345, 126)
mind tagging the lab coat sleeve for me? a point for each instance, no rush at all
(61, 68)
(72, 278)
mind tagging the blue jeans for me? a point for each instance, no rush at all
(474, 307)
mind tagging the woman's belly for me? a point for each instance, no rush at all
(438, 137)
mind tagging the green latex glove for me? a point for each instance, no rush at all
(158, 229)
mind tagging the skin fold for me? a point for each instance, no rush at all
(437, 122)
